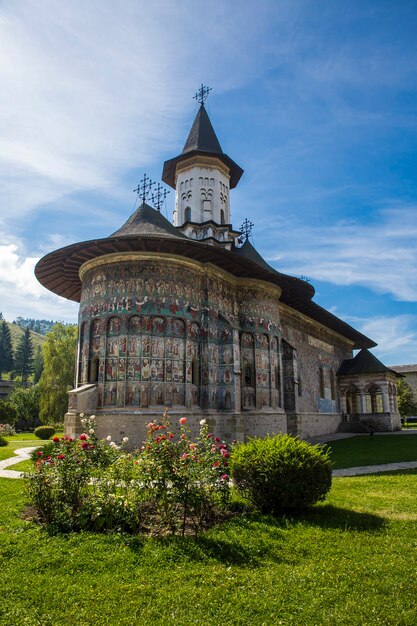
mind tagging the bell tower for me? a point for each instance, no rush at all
(202, 176)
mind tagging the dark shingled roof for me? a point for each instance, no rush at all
(249, 252)
(202, 136)
(363, 363)
(147, 221)
(303, 304)
(201, 140)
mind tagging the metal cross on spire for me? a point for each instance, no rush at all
(246, 228)
(158, 196)
(202, 94)
(144, 188)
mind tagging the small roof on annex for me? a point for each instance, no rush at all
(364, 363)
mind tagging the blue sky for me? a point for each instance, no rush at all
(317, 101)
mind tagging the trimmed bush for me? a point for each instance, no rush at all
(281, 473)
(3, 442)
(44, 432)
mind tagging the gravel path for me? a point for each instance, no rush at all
(22, 454)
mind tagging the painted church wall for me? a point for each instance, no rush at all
(319, 354)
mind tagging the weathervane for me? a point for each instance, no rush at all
(246, 228)
(158, 196)
(144, 188)
(202, 94)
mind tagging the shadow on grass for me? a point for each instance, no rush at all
(330, 516)
(251, 540)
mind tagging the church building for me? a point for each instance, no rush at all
(188, 315)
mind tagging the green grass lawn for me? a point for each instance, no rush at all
(22, 440)
(349, 561)
(366, 450)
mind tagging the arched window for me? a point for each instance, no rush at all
(352, 399)
(93, 373)
(332, 385)
(195, 372)
(187, 214)
(321, 382)
(249, 376)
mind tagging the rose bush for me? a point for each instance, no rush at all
(172, 483)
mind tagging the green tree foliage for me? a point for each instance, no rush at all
(57, 377)
(407, 404)
(37, 365)
(8, 414)
(26, 402)
(23, 362)
(6, 350)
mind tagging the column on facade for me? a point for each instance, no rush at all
(385, 398)
(362, 401)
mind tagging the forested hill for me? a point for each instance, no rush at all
(38, 326)
(17, 332)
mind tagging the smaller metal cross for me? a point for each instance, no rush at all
(144, 188)
(246, 228)
(202, 94)
(158, 196)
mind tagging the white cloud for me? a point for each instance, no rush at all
(21, 294)
(92, 89)
(380, 254)
(396, 337)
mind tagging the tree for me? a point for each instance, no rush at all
(8, 413)
(407, 404)
(6, 350)
(23, 361)
(25, 400)
(37, 365)
(59, 351)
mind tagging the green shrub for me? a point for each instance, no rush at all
(3, 442)
(8, 413)
(44, 432)
(281, 473)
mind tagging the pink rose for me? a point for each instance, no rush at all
(225, 477)
(183, 421)
(225, 453)
(83, 437)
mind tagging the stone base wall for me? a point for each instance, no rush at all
(228, 426)
(381, 422)
(316, 424)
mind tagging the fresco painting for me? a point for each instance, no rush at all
(167, 335)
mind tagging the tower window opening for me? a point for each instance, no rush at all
(222, 219)
(187, 214)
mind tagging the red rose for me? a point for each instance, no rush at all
(55, 439)
(84, 445)
(61, 456)
(39, 453)
(83, 437)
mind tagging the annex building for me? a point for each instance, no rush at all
(189, 315)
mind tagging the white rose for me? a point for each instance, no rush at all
(81, 414)
(91, 431)
(125, 439)
(108, 437)
(203, 422)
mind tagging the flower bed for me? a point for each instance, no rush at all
(172, 484)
